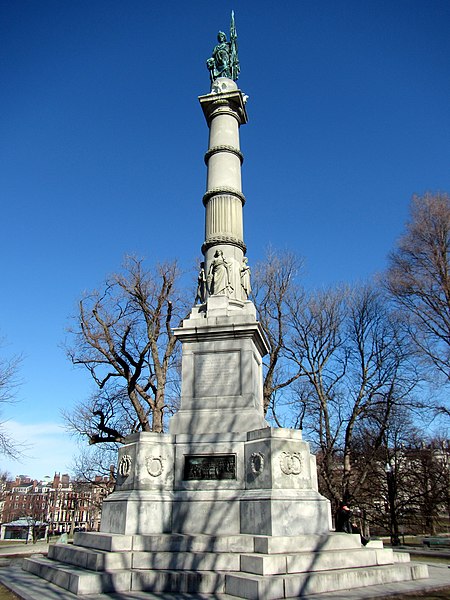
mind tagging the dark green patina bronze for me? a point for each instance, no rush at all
(224, 61)
(203, 467)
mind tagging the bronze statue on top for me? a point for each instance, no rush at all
(224, 61)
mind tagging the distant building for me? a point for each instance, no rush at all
(65, 505)
(23, 529)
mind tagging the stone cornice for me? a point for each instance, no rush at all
(216, 332)
(231, 103)
(217, 149)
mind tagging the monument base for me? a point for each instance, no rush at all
(259, 482)
(244, 566)
(234, 513)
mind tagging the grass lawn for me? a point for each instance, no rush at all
(5, 594)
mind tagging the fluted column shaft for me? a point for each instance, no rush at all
(223, 200)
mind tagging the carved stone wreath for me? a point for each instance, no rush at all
(257, 463)
(124, 467)
(291, 463)
(155, 465)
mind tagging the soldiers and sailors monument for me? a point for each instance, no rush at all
(222, 503)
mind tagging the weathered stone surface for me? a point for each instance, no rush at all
(184, 582)
(186, 561)
(104, 541)
(76, 580)
(256, 587)
(243, 565)
(193, 543)
(306, 543)
(93, 560)
(221, 370)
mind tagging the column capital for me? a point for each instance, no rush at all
(231, 103)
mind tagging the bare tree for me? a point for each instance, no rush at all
(274, 281)
(9, 367)
(123, 337)
(95, 461)
(426, 474)
(106, 416)
(419, 280)
(384, 497)
(355, 366)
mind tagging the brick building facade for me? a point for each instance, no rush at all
(64, 504)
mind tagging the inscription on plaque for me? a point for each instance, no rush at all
(209, 466)
(217, 374)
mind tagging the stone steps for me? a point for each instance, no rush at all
(258, 587)
(169, 542)
(187, 561)
(253, 567)
(186, 582)
(306, 543)
(77, 580)
(303, 562)
(193, 543)
(86, 558)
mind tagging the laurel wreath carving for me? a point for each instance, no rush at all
(124, 467)
(155, 465)
(291, 463)
(257, 463)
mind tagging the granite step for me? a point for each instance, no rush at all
(261, 564)
(110, 542)
(76, 579)
(240, 584)
(301, 562)
(306, 543)
(182, 582)
(193, 543)
(81, 582)
(210, 543)
(258, 587)
(87, 558)
(187, 561)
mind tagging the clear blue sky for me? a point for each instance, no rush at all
(102, 142)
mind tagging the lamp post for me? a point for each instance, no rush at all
(392, 496)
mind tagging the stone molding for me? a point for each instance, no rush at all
(221, 106)
(231, 103)
(223, 239)
(223, 148)
(213, 332)
(221, 192)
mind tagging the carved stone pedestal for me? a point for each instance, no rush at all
(222, 470)
(221, 390)
(261, 482)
